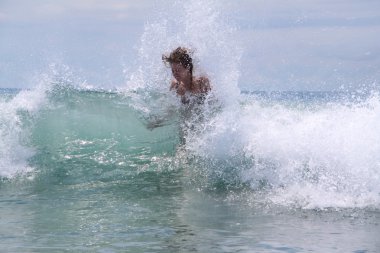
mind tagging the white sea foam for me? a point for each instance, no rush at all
(15, 150)
(325, 157)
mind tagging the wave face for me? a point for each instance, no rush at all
(313, 150)
(77, 128)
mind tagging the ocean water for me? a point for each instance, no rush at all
(86, 169)
(285, 172)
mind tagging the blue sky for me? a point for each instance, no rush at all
(287, 44)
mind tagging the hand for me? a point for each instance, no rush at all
(181, 89)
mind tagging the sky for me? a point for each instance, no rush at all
(286, 44)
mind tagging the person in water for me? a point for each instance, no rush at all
(192, 90)
(184, 83)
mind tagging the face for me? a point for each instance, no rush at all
(179, 72)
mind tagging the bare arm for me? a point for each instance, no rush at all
(173, 84)
(179, 87)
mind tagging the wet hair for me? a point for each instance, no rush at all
(180, 55)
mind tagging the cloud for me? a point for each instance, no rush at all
(3, 16)
(273, 14)
(96, 5)
(40, 11)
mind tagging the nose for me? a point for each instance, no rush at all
(175, 71)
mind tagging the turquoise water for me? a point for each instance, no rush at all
(134, 170)
(81, 172)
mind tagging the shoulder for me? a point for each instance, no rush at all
(202, 84)
(202, 79)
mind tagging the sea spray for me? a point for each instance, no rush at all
(14, 129)
(201, 27)
(20, 112)
(308, 156)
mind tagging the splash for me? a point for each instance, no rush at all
(17, 115)
(296, 153)
(324, 156)
(199, 26)
(14, 150)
